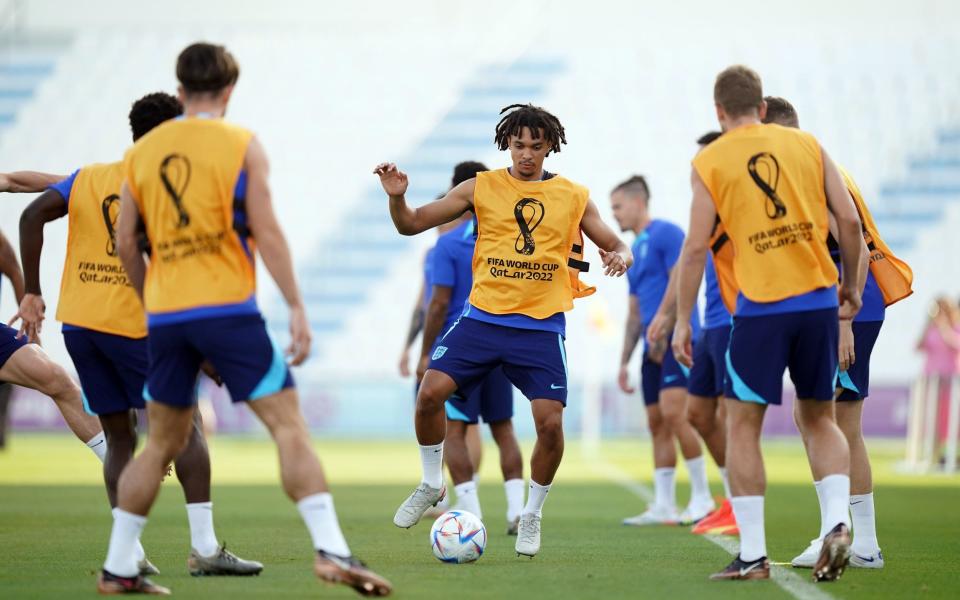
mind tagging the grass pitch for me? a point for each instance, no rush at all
(54, 527)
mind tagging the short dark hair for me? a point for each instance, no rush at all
(633, 185)
(539, 121)
(738, 90)
(708, 138)
(204, 67)
(466, 170)
(151, 110)
(781, 112)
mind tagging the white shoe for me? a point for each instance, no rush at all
(808, 558)
(654, 515)
(416, 504)
(528, 536)
(871, 561)
(438, 509)
(697, 510)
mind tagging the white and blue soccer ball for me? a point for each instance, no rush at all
(458, 537)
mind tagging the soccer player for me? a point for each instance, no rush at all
(888, 281)
(451, 277)
(770, 187)
(529, 223)
(104, 330)
(198, 186)
(26, 364)
(664, 382)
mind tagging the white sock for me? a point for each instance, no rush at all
(665, 487)
(864, 525)
(824, 529)
(321, 519)
(121, 556)
(467, 498)
(476, 478)
(431, 457)
(836, 500)
(98, 444)
(202, 537)
(749, 513)
(699, 487)
(535, 498)
(140, 552)
(514, 490)
(726, 483)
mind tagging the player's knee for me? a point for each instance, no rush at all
(550, 427)
(702, 420)
(429, 402)
(56, 383)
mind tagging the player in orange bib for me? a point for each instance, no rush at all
(771, 187)
(888, 281)
(525, 261)
(198, 186)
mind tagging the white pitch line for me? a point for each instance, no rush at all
(798, 587)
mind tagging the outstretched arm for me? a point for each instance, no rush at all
(27, 181)
(616, 256)
(411, 221)
(49, 206)
(703, 215)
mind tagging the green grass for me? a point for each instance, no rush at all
(54, 526)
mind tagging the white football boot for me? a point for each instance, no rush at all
(416, 504)
(528, 536)
(871, 561)
(808, 558)
(654, 515)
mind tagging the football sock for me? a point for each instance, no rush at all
(98, 444)
(467, 498)
(726, 483)
(431, 457)
(514, 490)
(824, 528)
(864, 525)
(202, 537)
(321, 519)
(748, 511)
(535, 498)
(699, 487)
(139, 551)
(836, 500)
(665, 487)
(121, 556)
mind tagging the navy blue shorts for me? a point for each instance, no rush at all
(762, 347)
(854, 383)
(239, 348)
(112, 369)
(534, 361)
(9, 343)
(708, 370)
(656, 377)
(492, 400)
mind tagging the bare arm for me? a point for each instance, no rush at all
(411, 221)
(127, 247)
(666, 315)
(10, 266)
(273, 248)
(631, 335)
(416, 320)
(49, 206)
(432, 328)
(616, 256)
(27, 181)
(703, 215)
(849, 236)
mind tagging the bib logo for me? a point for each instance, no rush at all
(111, 210)
(175, 176)
(529, 213)
(765, 172)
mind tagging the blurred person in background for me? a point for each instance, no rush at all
(940, 345)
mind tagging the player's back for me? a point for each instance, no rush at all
(187, 179)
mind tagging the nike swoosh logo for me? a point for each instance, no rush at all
(857, 502)
(554, 386)
(670, 378)
(748, 569)
(865, 559)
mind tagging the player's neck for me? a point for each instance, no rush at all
(201, 108)
(642, 224)
(538, 176)
(744, 121)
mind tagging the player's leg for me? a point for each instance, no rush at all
(866, 548)
(29, 366)
(457, 456)
(673, 408)
(474, 443)
(5, 391)
(511, 466)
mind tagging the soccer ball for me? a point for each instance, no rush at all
(458, 537)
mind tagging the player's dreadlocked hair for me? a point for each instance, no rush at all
(533, 117)
(151, 110)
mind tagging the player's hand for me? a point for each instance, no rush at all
(850, 302)
(422, 366)
(846, 351)
(683, 342)
(30, 315)
(614, 264)
(299, 348)
(207, 367)
(655, 352)
(393, 180)
(623, 380)
(405, 364)
(658, 328)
